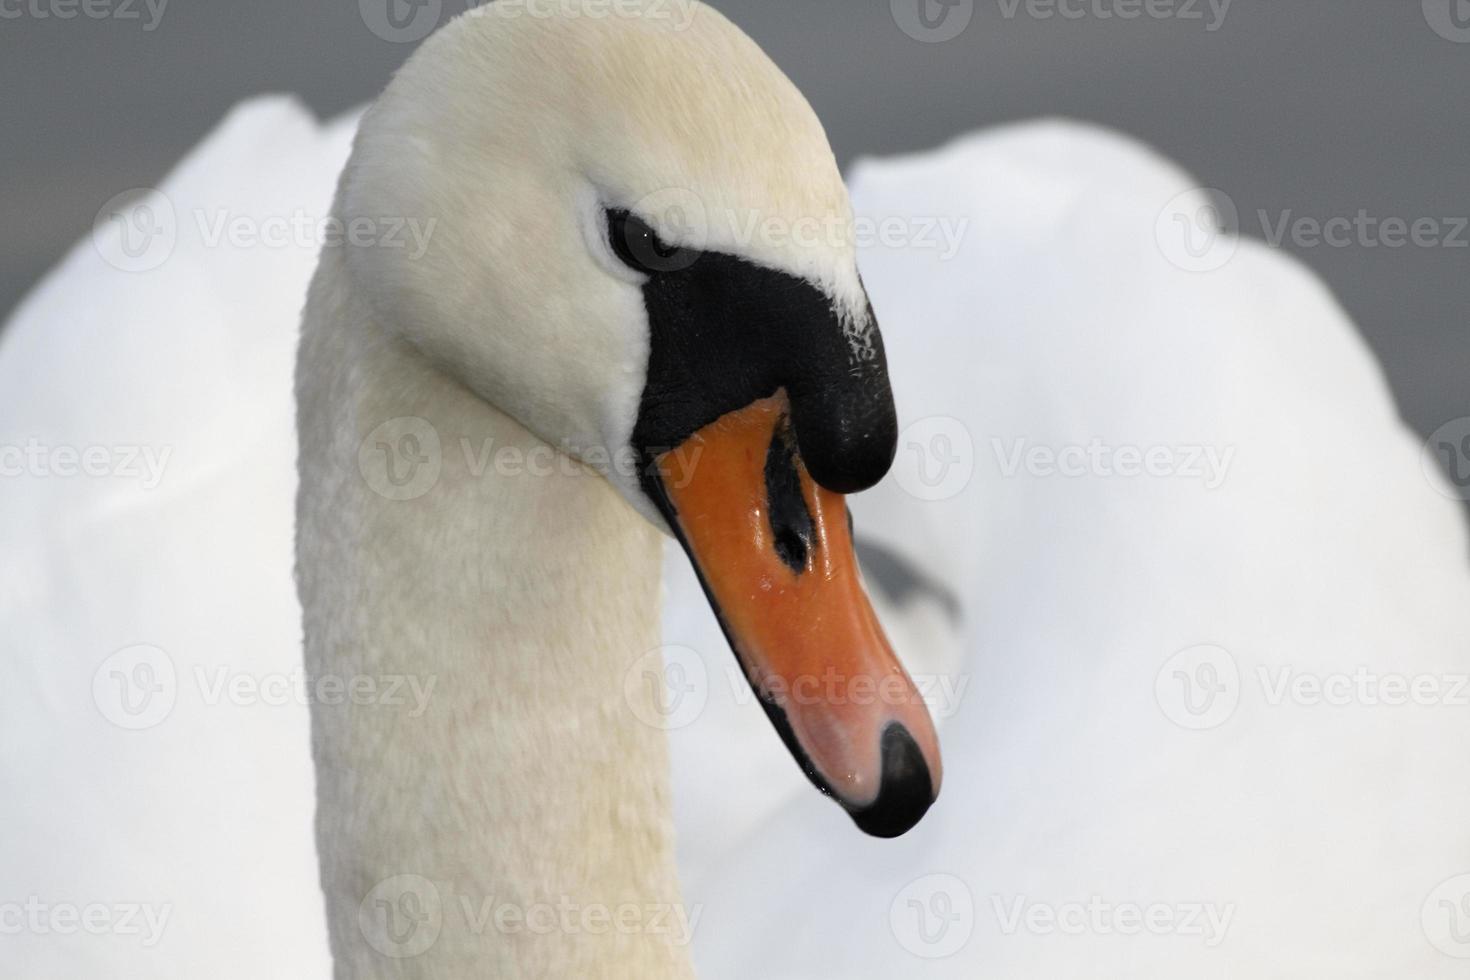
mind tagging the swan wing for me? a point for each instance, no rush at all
(154, 738)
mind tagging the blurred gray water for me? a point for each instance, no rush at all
(1308, 108)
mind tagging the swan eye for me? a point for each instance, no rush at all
(639, 246)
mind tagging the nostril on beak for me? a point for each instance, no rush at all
(793, 532)
(906, 791)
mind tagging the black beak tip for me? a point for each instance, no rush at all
(906, 792)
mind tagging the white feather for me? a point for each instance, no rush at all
(1322, 831)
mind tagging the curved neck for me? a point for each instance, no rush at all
(489, 803)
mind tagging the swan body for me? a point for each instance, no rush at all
(1325, 835)
(1316, 836)
(198, 806)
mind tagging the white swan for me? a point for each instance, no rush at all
(1065, 786)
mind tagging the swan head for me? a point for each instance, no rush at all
(642, 251)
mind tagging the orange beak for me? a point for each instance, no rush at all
(774, 551)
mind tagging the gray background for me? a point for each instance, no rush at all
(1324, 107)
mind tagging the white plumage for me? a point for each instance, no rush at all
(1317, 833)
(1321, 832)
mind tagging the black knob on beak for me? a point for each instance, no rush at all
(842, 409)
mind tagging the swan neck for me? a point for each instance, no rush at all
(515, 822)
